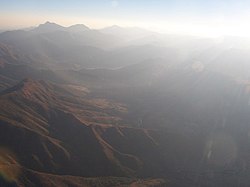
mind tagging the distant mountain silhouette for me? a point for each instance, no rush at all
(52, 27)
(48, 27)
(122, 107)
(77, 28)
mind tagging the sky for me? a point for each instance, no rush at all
(192, 17)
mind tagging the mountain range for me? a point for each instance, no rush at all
(122, 107)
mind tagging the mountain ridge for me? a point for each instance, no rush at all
(52, 27)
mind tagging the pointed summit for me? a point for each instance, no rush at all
(48, 27)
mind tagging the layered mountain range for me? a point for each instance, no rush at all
(122, 107)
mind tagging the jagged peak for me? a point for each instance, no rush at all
(50, 23)
(48, 27)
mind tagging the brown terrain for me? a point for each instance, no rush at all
(150, 120)
(67, 136)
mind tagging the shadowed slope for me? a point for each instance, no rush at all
(52, 119)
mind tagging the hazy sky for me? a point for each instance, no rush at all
(202, 17)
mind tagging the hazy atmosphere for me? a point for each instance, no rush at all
(193, 17)
(142, 93)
